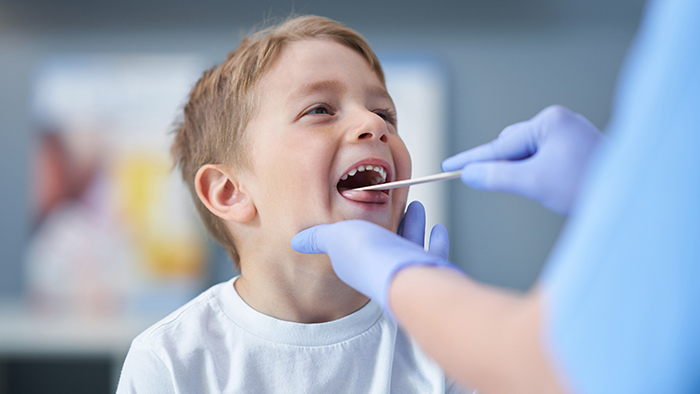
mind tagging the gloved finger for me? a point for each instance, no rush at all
(413, 224)
(502, 176)
(439, 244)
(515, 142)
(311, 240)
(518, 127)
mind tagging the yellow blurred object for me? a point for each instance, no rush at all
(139, 186)
(170, 257)
(169, 248)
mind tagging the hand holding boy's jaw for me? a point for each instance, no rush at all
(366, 256)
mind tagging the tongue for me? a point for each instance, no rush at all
(366, 196)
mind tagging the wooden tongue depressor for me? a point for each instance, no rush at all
(443, 176)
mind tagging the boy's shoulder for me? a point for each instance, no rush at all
(188, 321)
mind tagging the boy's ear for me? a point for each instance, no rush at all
(223, 194)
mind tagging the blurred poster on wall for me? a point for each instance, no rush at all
(115, 230)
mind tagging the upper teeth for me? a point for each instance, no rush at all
(378, 169)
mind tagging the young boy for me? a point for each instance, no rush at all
(272, 141)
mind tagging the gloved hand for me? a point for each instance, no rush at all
(367, 256)
(544, 158)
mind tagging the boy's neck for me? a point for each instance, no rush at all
(304, 289)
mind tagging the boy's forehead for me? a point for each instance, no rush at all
(316, 65)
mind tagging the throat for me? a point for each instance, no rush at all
(359, 179)
(313, 298)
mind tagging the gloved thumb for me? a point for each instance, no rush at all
(439, 242)
(412, 225)
(310, 240)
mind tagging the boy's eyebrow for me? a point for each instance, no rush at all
(313, 87)
(334, 86)
(380, 92)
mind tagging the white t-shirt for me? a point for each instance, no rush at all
(216, 343)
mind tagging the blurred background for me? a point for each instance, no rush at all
(98, 239)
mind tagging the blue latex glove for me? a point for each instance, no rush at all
(544, 158)
(366, 256)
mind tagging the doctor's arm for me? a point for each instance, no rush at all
(469, 328)
(485, 337)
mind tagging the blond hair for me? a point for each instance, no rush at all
(221, 104)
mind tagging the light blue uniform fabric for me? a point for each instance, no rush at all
(622, 286)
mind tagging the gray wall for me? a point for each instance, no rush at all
(507, 60)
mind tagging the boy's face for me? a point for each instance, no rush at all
(322, 116)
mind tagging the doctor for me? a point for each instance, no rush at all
(617, 308)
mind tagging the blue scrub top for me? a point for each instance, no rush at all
(622, 286)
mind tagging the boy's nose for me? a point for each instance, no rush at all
(371, 126)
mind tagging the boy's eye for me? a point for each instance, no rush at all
(319, 110)
(387, 114)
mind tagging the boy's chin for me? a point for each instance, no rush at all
(391, 224)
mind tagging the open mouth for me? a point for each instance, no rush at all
(360, 176)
